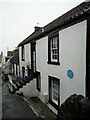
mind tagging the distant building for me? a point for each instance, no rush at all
(15, 62)
(8, 65)
(9, 54)
(1, 59)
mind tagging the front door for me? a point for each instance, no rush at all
(33, 57)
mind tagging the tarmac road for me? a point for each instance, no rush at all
(13, 106)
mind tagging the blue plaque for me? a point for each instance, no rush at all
(70, 74)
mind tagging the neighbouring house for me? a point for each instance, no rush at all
(8, 65)
(15, 62)
(1, 60)
(9, 54)
(60, 55)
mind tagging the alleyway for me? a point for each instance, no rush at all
(13, 106)
(0, 96)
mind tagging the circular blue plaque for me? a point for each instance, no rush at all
(70, 74)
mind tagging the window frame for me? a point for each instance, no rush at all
(50, 60)
(51, 101)
(38, 82)
(23, 53)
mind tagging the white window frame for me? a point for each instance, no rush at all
(54, 48)
(54, 87)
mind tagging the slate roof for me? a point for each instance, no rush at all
(78, 11)
(9, 53)
(15, 58)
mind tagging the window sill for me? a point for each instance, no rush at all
(53, 63)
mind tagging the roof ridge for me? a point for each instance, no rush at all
(72, 14)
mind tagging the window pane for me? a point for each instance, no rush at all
(55, 56)
(55, 39)
(52, 46)
(54, 49)
(55, 89)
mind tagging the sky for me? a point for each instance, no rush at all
(19, 17)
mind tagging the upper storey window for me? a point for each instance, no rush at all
(53, 49)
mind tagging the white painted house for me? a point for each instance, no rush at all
(60, 53)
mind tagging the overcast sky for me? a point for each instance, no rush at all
(19, 17)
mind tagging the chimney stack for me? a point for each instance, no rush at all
(37, 28)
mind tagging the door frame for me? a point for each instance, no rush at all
(88, 58)
(33, 48)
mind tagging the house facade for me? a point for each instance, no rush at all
(25, 59)
(8, 66)
(59, 53)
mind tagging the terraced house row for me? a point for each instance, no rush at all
(57, 57)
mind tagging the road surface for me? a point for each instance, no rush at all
(13, 106)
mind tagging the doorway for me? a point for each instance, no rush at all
(33, 57)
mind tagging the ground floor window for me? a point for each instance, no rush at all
(54, 91)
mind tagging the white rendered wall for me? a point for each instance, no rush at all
(29, 90)
(72, 56)
(27, 57)
(18, 70)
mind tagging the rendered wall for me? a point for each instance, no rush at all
(72, 56)
(27, 49)
(29, 90)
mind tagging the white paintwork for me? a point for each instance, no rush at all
(18, 70)
(15, 68)
(27, 61)
(0, 65)
(29, 90)
(72, 56)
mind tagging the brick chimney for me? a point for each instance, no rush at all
(37, 28)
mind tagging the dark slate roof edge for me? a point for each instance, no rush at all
(72, 14)
(15, 58)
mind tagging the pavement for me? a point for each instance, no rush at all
(39, 108)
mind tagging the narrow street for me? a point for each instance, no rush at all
(0, 96)
(13, 106)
